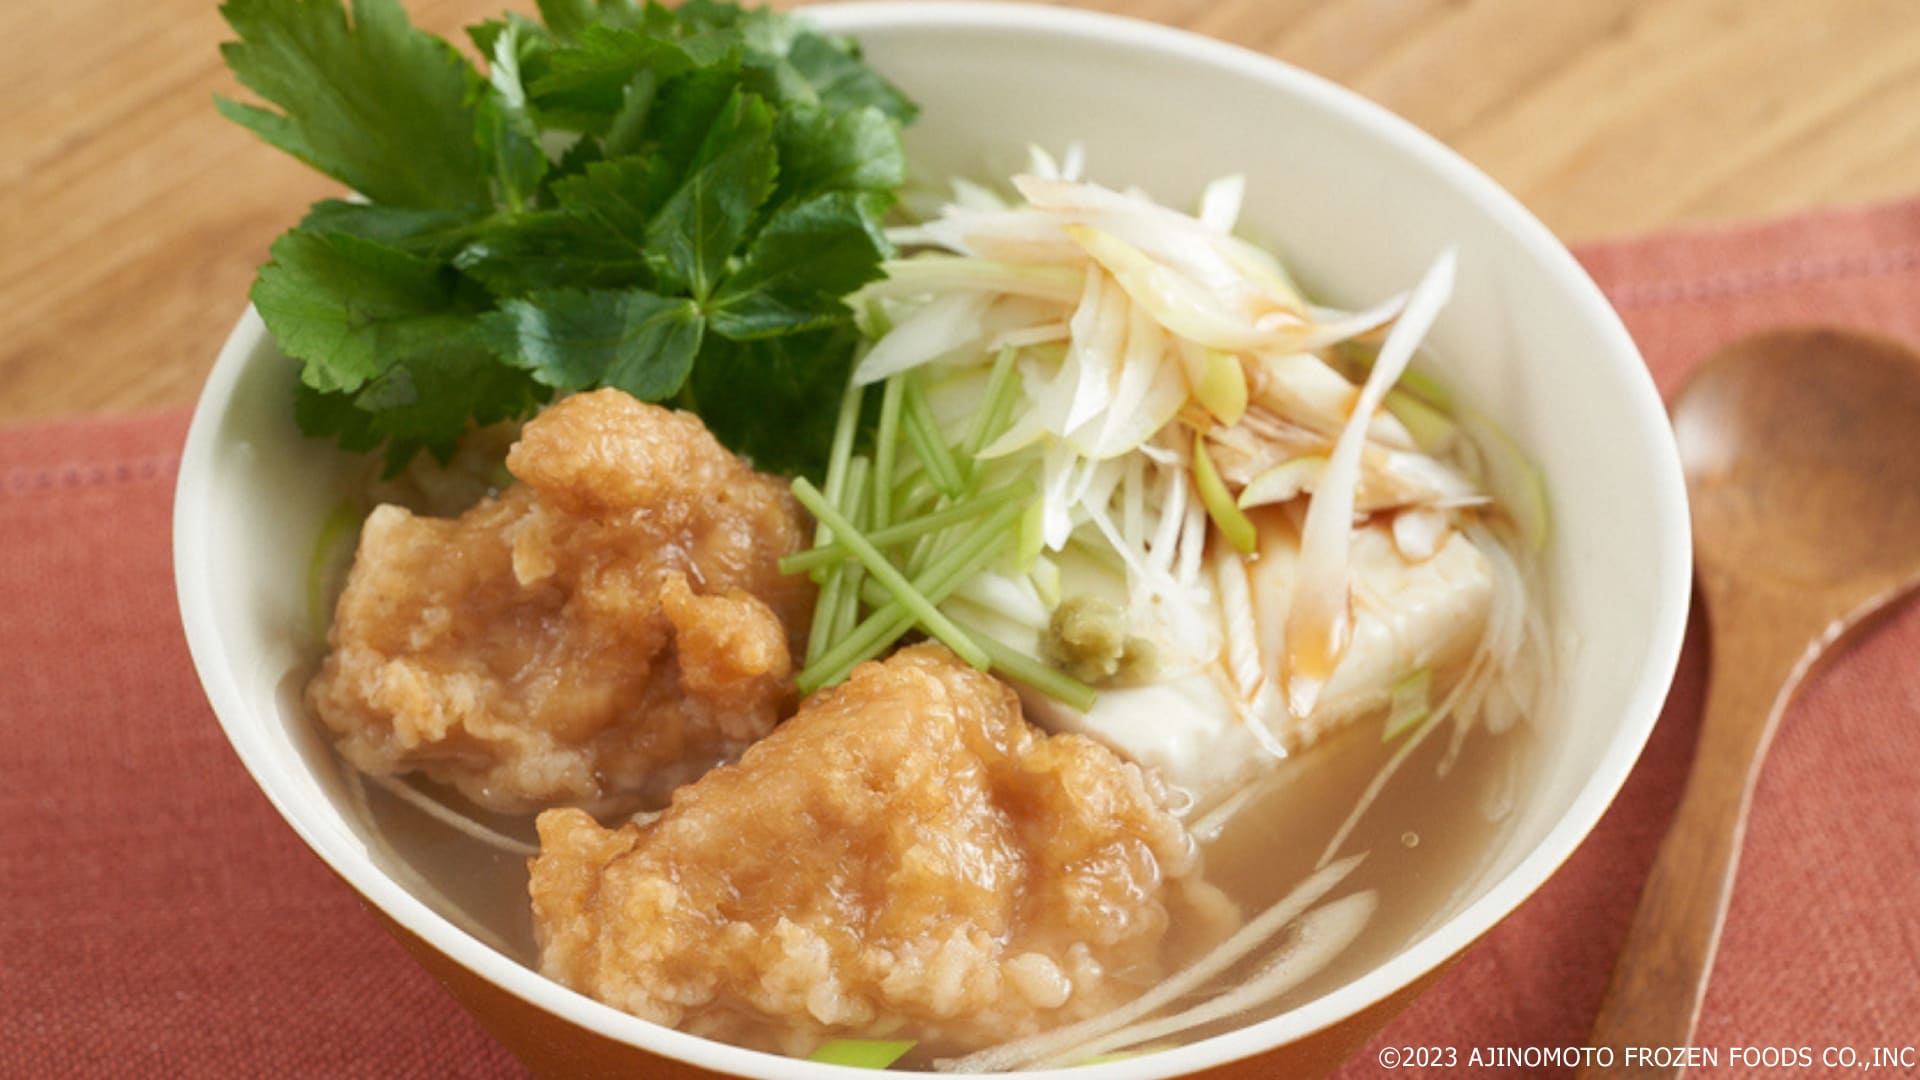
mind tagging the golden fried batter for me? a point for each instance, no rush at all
(612, 624)
(905, 857)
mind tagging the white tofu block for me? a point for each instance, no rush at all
(1407, 616)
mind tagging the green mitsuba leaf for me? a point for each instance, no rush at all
(833, 66)
(425, 401)
(779, 425)
(422, 403)
(683, 114)
(504, 127)
(627, 129)
(350, 307)
(810, 254)
(375, 104)
(575, 156)
(567, 18)
(430, 233)
(320, 414)
(585, 79)
(695, 231)
(635, 340)
(389, 342)
(619, 197)
(701, 17)
(546, 250)
(822, 150)
(485, 33)
(670, 200)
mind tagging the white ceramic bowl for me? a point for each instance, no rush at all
(1356, 200)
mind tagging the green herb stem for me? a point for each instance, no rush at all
(1022, 668)
(886, 447)
(861, 1053)
(856, 506)
(958, 514)
(996, 406)
(825, 605)
(844, 426)
(841, 587)
(927, 546)
(1033, 539)
(904, 592)
(913, 493)
(923, 431)
(339, 525)
(883, 627)
(846, 613)
(1411, 704)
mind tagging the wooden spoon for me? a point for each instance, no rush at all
(1802, 456)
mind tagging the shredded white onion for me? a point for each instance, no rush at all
(1220, 202)
(1256, 932)
(946, 324)
(1419, 532)
(1320, 936)
(417, 883)
(1319, 622)
(453, 819)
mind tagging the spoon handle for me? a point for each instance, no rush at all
(1660, 977)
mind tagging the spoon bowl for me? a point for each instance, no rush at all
(1802, 457)
(1801, 451)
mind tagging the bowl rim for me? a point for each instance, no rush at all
(1666, 504)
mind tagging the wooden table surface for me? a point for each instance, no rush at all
(132, 216)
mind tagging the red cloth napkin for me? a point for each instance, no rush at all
(159, 920)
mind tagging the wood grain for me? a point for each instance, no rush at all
(132, 216)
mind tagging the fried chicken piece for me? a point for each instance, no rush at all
(905, 857)
(611, 625)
